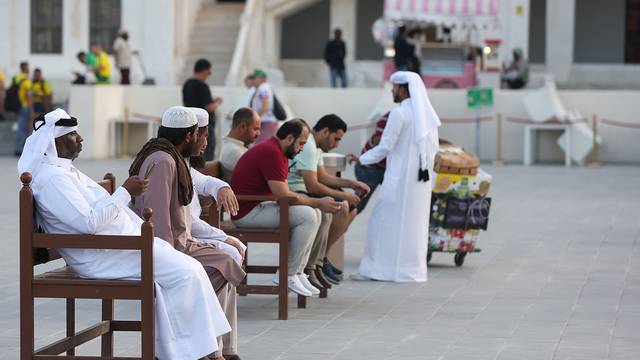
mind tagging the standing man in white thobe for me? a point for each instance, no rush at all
(188, 317)
(396, 244)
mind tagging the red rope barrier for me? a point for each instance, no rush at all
(517, 120)
(466, 120)
(620, 124)
(443, 120)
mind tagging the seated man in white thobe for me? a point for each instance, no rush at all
(188, 316)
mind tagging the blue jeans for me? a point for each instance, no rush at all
(342, 73)
(371, 177)
(24, 130)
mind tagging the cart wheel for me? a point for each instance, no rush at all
(429, 254)
(459, 258)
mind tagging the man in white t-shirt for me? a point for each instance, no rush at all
(308, 175)
(262, 102)
(122, 53)
(244, 130)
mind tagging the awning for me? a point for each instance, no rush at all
(481, 13)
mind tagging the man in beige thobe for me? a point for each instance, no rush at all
(162, 161)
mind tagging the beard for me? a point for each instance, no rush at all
(396, 98)
(290, 152)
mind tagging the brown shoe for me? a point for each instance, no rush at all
(320, 277)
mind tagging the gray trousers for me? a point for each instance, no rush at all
(228, 343)
(319, 248)
(304, 222)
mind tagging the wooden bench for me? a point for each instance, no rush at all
(279, 236)
(63, 283)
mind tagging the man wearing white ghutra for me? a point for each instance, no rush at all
(397, 235)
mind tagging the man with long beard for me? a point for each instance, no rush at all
(162, 161)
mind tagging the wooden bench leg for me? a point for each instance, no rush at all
(107, 339)
(245, 263)
(283, 289)
(302, 302)
(324, 292)
(71, 322)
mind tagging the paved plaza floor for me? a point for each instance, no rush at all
(558, 278)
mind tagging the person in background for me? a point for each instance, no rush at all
(2, 80)
(373, 174)
(244, 131)
(41, 93)
(196, 93)
(102, 65)
(84, 74)
(334, 54)
(249, 90)
(262, 102)
(404, 50)
(516, 75)
(122, 53)
(22, 81)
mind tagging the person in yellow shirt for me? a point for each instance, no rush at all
(2, 80)
(41, 94)
(25, 115)
(102, 68)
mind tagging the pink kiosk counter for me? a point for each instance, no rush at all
(449, 40)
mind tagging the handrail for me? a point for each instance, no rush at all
(242, 43)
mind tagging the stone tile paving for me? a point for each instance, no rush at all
(558, 278)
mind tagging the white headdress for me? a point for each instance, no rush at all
(40, 146)
(426, 122)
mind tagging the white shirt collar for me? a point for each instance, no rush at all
(66, 164)
(234, 141)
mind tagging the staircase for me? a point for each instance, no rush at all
(213, 37)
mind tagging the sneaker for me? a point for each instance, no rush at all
(359, 277)
(335, 269)
(294, 284)
(307, 285)
(329, 274)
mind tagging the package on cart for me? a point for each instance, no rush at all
(463, 185)
(449, 240)
(454, 212)
(455, 160)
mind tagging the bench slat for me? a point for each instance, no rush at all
(75, 241)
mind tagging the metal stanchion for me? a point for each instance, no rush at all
(595, 162)
(498, 161)
(125, 134)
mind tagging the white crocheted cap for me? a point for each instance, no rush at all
(179, 117)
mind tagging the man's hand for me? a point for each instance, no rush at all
(227, 198)
(351, 198)
(351, 158)
(236, 244)
(361, 188)
(327, 204)
(136, 185)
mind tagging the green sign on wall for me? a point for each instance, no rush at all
(479, 97)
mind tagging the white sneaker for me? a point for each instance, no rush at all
(294, 284)
(305, 282)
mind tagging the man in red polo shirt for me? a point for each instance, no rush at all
(263, 170)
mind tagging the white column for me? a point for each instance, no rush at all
(560, 37)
